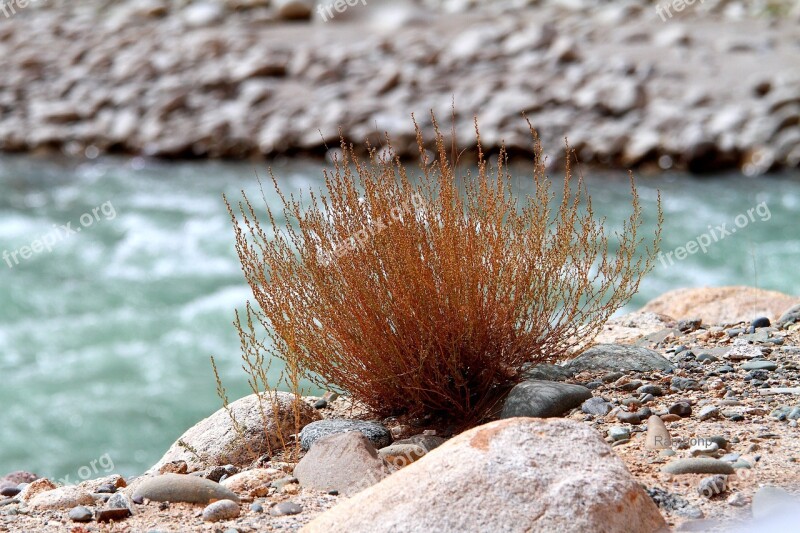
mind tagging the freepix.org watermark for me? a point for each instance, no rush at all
(59, 233)
(85, 472)
(715, 234)
(326, 11)
(665, 11)
(9, 7)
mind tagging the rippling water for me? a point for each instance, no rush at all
(105, 340)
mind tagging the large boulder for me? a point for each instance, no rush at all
(721, 305)
(613, 357)
(260, 419)
(543, 399)
(519, 474)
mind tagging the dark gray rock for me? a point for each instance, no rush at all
(610, 357)
(547, 372)
(543, 399)
(378, 435)
(673, 503)
(682, 409)
(596, 406)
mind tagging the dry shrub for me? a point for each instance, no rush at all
(427, 294)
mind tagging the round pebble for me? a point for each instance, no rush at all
(221, 510)
(80, 514)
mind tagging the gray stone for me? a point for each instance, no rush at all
(619, 433)
(610, 357)
(221, 510)
(759, 365)
(699, 465)
(286, 508)
(80, 514)
(377, 434)
(596, 406)
(543, 399)
(182, 488)
(344, 462)
(547, 372)
(712, 486)
(708, 412)
(559, 473)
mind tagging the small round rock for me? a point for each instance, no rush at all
(80, 514)
(286, 508)
(221, 510)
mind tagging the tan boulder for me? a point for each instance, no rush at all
(518, 474)
(721, 305)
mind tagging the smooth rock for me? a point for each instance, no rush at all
(700, 465)
(113, 515)
(546, 372)
(543, 399)
(379, 436)
(216, 441)
(221, 510)
(759, 365)
(771, 500)
(286, 508)
(61, 498)
(182, 488)
(344, 462)
(294, 9)
(611, 357)
(253, 483)
(400, 455)
(658, 437)
(596, 406)
(80, 514)
(560, 472)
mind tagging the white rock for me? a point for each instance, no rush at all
(214, 440)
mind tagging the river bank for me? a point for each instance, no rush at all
(712, 87)
(703, 416)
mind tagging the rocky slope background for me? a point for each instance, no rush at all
(668, 423)
(714, 85)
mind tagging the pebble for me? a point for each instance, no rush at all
(708, 412)
(378, 435)
(712, 486)
(760, 322)
(738, 500)
(286, 508)
(221, 510)
(109, 515)
(256, 507)
(80, 514)
(596, 406)
(700, 465)
(628, 418)
(618, 433)
(759, 365)
(682, 409)
(655, 390)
